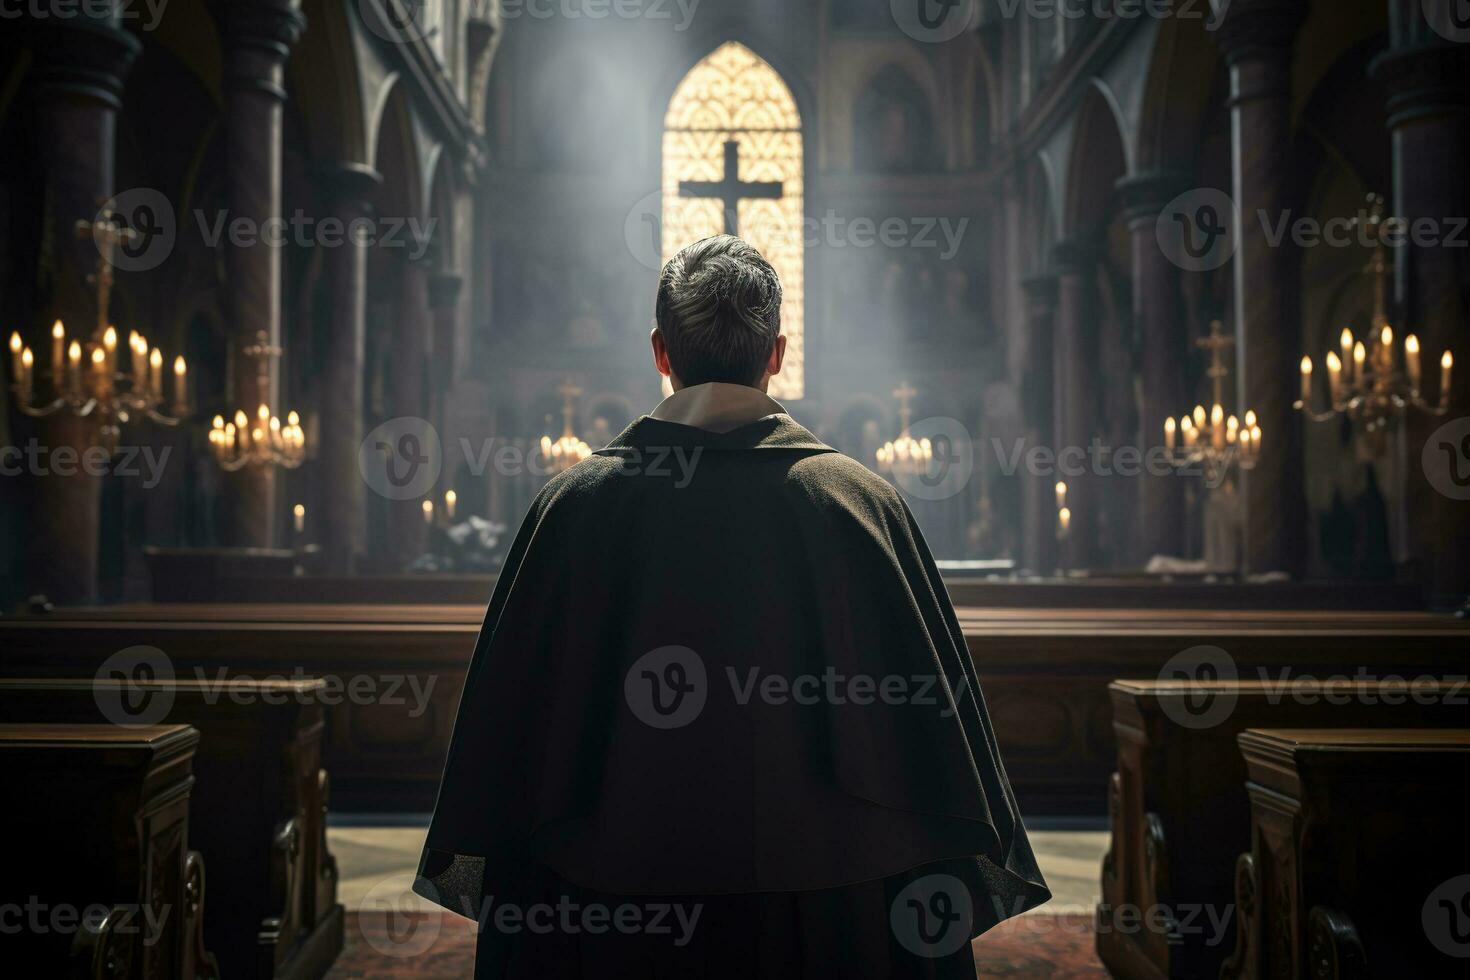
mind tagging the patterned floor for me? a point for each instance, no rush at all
(1054, 943)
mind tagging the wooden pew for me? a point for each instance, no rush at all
(258, 810)
(97, 825)
(1359, 856)
(1179, 810)
(1045, 673)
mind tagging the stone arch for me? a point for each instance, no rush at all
(1098, 161)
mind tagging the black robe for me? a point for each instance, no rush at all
(724, 665)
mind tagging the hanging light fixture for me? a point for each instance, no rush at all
(263, 439)
(567, 450)
(905, 456)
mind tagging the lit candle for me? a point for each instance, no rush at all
(1445, 364)
(27, 363)
(109, 344)
(1064, 521)
(1232, 429)
(1346, 343)
(1217, 425)
(1061, 490)
(1334, 375)
(99, 371)
(450, 499)
(1171, 429)
(181, 384)
(428, 511)
(74, 368)
(58, 349)
(1190, 432)
(1411, 360)
(1306, 382)
(298, 514)
(1255, 440)
(16, 345)
(242, 429)
(155, 382)
(1360, 355)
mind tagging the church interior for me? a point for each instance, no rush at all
(1154, 312)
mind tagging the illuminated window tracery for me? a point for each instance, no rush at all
(734, 95)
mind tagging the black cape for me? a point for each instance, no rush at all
(620, 724)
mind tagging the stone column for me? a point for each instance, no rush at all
(344, 518)
(1158, 312)
(408, 392)
(77, 82)
(1075, 394)
(1424, 72)
(256, 37)
(1038, 500)
(1256, 38)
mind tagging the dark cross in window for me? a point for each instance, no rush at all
(732, 190)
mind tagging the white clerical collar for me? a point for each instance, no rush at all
(717, 406)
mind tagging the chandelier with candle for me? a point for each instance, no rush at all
(1375, 386)
(261, 439)
(1214, 438)
(905, 456)
(567, 450)
(89, 376)
(93, 380)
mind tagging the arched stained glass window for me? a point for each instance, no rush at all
(732, 161)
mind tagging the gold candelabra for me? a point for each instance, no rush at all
(90, 377)
(1375, 387)
(1215, 438)
(905, 456)
(567, 450)
(263, 440)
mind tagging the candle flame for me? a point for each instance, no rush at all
(219, 422)
(1360, 353)
(293, 419)
(57, 330)
(27, 358)
(1347, 339)
(1250, 419)
(1334, 363)
(1307, 366)
(15, 343)
(1169, 426)
(98, 356)
(74, 352)
(179, 366)
(109, 338)
(1448, 361)
(1411, 344)
(1386, 338)
(155, 358)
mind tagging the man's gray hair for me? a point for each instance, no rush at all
(719, 308)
